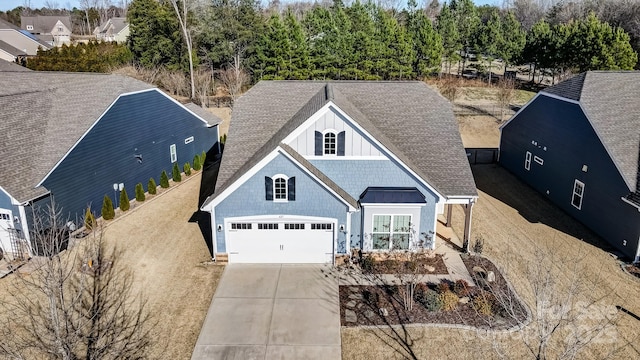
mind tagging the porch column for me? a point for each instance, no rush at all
(448, 216)
(468, 211)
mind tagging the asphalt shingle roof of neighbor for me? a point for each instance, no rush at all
(6, 66)
(43, 115)
(611, 102)
(118, 23)
(10, 49)
(43, 24)
(210, 118)
(413, 121)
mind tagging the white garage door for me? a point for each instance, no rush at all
(287, 240)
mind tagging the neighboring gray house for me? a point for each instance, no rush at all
(64, 141)
(315, 169)
(10, 53)
(115, 29)
(578, 143)
(55, 30)
(21, 40)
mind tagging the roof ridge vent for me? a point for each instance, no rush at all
(328, 91)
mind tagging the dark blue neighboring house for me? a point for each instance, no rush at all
(71, 138)
(578, 143)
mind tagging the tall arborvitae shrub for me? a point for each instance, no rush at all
(197, 165)
(152, 187)
(187, 169)
(107, 208)
(164, 180)
(89, 220)
(124, 200)
(140, 193)
(203, 157)
(175, 173)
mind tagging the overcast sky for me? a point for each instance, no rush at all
(12, 4)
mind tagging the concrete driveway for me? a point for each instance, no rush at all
(272, 312)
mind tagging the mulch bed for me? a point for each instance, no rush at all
(396, 266)
(633, 270)
(360, 305)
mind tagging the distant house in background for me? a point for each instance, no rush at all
(64, 141)
(21, 40)
(54, 30)
(578, 143)
(115, 29)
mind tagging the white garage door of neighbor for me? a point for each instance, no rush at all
(282, 241)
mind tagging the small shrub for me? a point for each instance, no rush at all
(482, 305)
(187, 169)
(140, 193)
(164, 180)
(107, 208)
(449, 300)
(367, 264)
(478, 245)
(443, 287)
(197, 165)
(430, 300)
(89, 220)
(152, 187)
(223, 138)
(124, 200)
(203, 157)
(461, 288)
(175, 173)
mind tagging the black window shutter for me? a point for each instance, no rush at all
(268, 188)
(319, 144)
(340, 151)
(291, 184)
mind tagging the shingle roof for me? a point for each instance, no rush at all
(611, 102)
(118, 24)
(6, 66)
(210, 118)
(44, 24)
(414, 122)
(43, 115)
(10, 49)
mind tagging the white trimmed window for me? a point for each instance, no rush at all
(279, 188)
(527, 161)
(174, 153)
(578, 194)
(330, 141)
(391, 232)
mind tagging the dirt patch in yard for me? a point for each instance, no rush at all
(425, 264)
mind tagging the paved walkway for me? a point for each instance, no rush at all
(272, 312)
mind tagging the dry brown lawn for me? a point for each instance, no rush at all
(515, 221)
(170, 264)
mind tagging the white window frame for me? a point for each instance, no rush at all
(580, 195)
(188, 140)
(527, 161)
(29, 27)
(324, 142)
(173, 152)
(286, 188)
(538, 160)
(390, 232)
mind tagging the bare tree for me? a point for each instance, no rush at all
(182, 12)
(506, 93)
(75, 304)
(569, 319)
(204, 84)
(234, 78)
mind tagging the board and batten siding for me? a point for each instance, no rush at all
(142, 125)
(6, 203)
(355, 142)
(559, 134)
(312, 199)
